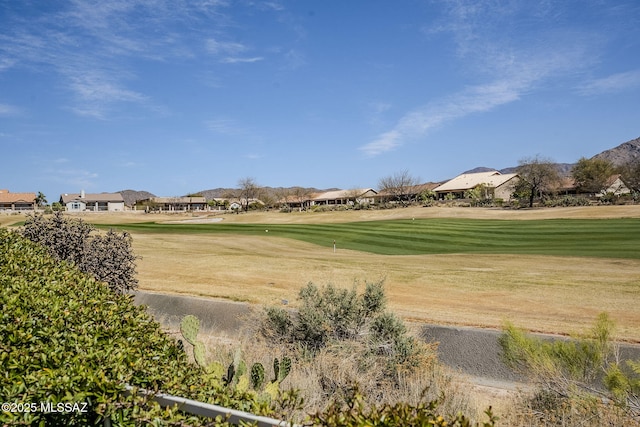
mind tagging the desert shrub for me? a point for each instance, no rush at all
(579, 372)
(342, 337)
(108, 258)
(327, 313)
(66, 338)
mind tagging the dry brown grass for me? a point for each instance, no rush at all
(542, 293)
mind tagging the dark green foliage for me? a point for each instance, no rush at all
(108, 258)
(257, 376)
(355, 413)
(592, 175)
(64, 337)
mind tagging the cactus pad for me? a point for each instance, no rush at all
(285, 368)
(189, 327)
(199, 353)
(257, 375)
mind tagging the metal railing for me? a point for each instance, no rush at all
(232, 416)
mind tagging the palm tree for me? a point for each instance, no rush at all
(41, 199)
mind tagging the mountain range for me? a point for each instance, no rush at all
(624, 153)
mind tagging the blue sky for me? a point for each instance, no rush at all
(176, 96)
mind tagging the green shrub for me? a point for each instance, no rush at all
(355, 413)
(66, 338)
(575, 371)
(327, 313)
(109, 258)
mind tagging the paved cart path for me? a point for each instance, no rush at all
(473, 351)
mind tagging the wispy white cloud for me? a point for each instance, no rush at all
(224, 126)
(417, 123)
(101, 40)
(215, 47)
(614, 83)
(487, 49)
(9, 110)
(236, 60)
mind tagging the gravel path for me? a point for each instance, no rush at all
(474, 352)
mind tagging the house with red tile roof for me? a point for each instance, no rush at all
(17, 201)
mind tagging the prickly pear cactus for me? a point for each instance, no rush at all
(257, 376)
(231, 372)
(272, 390)
(285, 368)
(276, 369)
(199, 353)
(243, 384)
(189, 327)
(216, 369)
(241, 368)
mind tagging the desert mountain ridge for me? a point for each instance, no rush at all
(619, 155)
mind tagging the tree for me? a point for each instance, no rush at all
(630, 175)
(538, 176)
(479, 195)
(399, 186)
(41, 199)
(249, 191)
(591, 175)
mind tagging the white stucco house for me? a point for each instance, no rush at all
(101, 202)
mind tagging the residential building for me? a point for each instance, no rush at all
(101, 202)
(362, 196)
(17, 201)
(173, 204)
(499, 186)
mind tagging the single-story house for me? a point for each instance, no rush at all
(361, 196)
(615, 186)
(17, 201)
(172, 204)
(410, 193)
(101, 202)
(500, 185)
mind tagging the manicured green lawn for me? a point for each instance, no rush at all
(610, 238)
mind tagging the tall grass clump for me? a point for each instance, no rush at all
(578, 380)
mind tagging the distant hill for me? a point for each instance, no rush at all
(132, 196)
(622, 154)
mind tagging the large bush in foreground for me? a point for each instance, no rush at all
(109, 258)
(64, 337)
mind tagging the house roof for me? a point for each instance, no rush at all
(467, 181)
(92, 198)
(342, 194)
(7, 197)
(170, 200)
